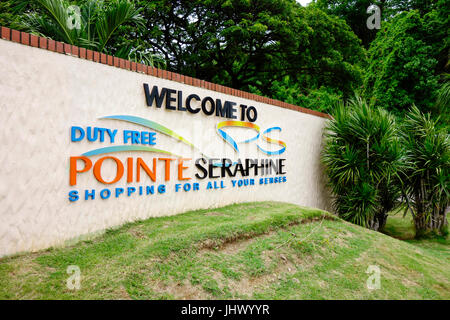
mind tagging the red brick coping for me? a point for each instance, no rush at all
(82, 53)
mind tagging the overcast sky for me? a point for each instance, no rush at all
(304, 2)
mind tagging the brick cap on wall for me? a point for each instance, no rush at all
(82, 53)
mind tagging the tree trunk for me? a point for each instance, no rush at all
(373, 224)
(420, 225)
(436, 224)
(378, 222)
(382, 218)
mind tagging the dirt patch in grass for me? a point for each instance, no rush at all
(232, 241)
(280, 262)
(219, 244)
(232, 248)
(409, 283)
(214, 213)
(137, 233)
(122, 294)
(28, 267)
(179, 290)
(247, 286)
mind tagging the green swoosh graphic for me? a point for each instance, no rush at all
(126, 148)
(152, 125)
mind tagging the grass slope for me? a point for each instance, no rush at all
(261, 250)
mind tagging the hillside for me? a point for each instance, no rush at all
(264, 250)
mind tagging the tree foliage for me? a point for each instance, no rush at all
(355, 15)
(402, 65)
(354, 12)
(363, 157)
(277, 48)
(322, 99)
(249, 43)
(95, 26)
(427, 174)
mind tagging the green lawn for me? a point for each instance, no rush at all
(402, 228)
(264, 250)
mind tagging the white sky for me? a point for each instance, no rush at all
(303, 2)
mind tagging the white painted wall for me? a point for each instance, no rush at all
(43, 94)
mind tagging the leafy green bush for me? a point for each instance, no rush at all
(442, 104)
(95, 25)
(403, 63)
(427, 175)
(362, 157)
(323, 99)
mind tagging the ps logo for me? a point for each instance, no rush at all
(255, 127)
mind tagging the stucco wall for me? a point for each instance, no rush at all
(43, 94)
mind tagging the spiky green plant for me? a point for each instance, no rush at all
(427, 175)
(95, 26)
(443, 101)
(362, 158)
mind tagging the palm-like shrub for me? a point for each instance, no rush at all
(362, 158)
(427, 175)
(443, 101)
(96, 26)
(443, 98)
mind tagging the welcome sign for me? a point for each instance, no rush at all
(207, 168)
(89, 146)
